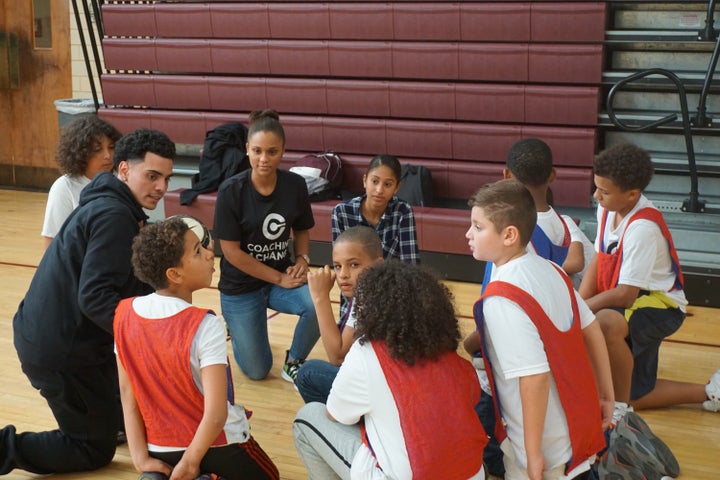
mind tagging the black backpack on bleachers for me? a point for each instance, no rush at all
(416, 185)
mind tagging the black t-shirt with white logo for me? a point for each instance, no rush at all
(260, 224)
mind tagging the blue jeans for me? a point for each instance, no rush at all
(314, 380)
(246, 318)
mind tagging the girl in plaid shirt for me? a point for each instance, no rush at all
(380, 209)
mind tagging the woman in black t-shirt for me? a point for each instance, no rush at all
(258, 213)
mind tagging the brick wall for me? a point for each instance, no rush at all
(80, 83)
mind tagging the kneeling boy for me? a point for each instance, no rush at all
(635, 286)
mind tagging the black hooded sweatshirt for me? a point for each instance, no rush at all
(66, 317)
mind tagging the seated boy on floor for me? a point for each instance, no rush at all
(401, 405)
(175, 386)
(635, 286)
(353, 251)
(544, 353)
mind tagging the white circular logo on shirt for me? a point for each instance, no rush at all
(273, 226)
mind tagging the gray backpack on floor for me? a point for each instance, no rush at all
(635, 453)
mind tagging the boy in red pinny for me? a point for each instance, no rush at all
(177, 393)
(635, 286)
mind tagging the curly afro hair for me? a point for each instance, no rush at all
(530, 161)
(626, 165)
(135, 145)
(408, 308)
(157, 247)
(78, 141)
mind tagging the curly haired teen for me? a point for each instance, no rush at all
(86, 148)
(635, 286)
(397, 381)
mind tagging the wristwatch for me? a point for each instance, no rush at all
(305, 257)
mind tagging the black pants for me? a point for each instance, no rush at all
(492, 455)
(84, 404)
(237, 461)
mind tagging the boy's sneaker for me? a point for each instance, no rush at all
(290, 369)
(658, 451)
(712, 389)
(152, 476)
(612, 467)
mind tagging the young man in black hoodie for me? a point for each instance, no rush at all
(63, 327)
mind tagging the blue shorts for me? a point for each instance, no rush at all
(648, 328)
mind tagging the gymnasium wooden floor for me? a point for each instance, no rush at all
(692, 354)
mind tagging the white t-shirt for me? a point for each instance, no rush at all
(577, 235)
(360, 390)
(350, 317)
(646, 261)
(516, 350)
(63, 198)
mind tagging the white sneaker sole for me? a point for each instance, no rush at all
(286, 377)
(711, 405)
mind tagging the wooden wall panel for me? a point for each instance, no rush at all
(29, 128)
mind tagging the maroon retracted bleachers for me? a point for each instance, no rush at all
(486, 102)
(582, 22)
(358, 97)
(567, 105)
(489, 62)
(498, 21)
(472, 142)
(296, 95)
(448, 85)
(495, 22)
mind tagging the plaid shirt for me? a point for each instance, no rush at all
(396, 227)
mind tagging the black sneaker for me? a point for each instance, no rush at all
(152, 476)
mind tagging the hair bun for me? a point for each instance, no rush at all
(267, 113)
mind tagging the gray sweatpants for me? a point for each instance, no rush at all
(325, 447)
